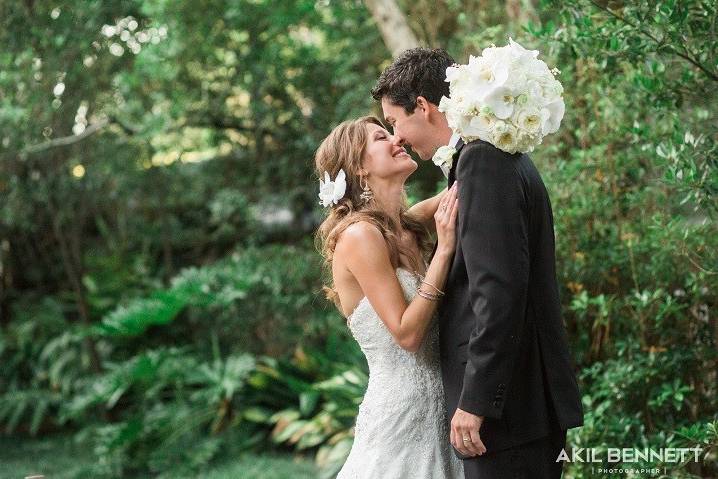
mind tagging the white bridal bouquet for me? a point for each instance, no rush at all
(506, 97)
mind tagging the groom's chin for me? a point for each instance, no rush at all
(423, 156)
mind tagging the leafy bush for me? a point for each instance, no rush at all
(259, 299)
(632, 177)
(165, 408)
(40, 362)
(155, 406)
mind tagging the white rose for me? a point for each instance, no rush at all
(504, 136)
(526, 141)
(534, 89)
(551, 89)
(530, 120)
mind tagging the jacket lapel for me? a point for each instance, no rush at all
(455, 160)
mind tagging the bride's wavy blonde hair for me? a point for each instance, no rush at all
(344, 148)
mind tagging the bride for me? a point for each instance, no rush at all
(375, 250)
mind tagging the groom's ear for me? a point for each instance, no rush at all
(423, 107)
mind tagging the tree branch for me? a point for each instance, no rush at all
(66, 140)
(223, 124)
(218, 123)
(713, 76)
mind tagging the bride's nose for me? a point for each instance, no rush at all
(397, 140)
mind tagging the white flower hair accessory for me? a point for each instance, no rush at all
(330, 192)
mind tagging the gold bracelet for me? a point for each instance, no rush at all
(438, 291)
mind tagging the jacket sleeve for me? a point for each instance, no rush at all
(493, 231)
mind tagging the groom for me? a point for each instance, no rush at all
(510, 389)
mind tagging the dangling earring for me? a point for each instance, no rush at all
(366, 193)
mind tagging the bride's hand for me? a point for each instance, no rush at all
(445, 218)
(423, 211)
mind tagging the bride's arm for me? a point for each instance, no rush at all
(364, 252)
(424, 211)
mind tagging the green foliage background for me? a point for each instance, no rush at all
(159, 289)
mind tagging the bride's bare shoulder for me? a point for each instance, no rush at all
(359, 241)
(355, 249)
(360, 230)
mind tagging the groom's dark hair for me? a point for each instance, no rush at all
(416, 72)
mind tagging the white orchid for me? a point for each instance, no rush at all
(556, 110)
(501, 101)
(486, 74)
(505, 96)
(330, 192)
(520, 53)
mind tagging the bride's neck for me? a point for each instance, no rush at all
(389, 198)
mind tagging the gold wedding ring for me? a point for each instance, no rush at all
(467, 439)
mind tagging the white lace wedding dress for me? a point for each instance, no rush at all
(401, 431)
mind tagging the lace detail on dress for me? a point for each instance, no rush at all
(401, 429)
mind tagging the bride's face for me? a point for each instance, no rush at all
(383, 158)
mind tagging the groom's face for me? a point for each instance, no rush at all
(409, 128)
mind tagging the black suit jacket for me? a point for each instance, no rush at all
(504, 349)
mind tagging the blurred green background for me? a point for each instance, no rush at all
(160, 294)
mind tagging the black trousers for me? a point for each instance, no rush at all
(533, 460)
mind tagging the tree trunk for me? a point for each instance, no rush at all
(520, 12)
(167, 249)
(74, 275)
(392, 25)
(5, 281)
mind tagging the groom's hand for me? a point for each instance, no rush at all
(465, 425)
